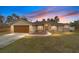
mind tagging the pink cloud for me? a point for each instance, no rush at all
(50, 12)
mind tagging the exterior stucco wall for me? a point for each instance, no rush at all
(60, 28)
(12, 28)
(21, 23)
(31, 29)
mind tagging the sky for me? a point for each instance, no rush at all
(66, 13)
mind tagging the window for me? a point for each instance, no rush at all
(66, 26)
(53, 28)
(40, 27)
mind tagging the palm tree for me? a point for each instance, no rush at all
(43, 20)
(56, 19)
(48, 20)
(52, 19)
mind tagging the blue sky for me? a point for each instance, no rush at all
(65, 13)
(20, 10)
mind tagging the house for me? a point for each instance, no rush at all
(25, 26)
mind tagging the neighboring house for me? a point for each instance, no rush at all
(24, 26)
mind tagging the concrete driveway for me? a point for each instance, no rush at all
(9, 38)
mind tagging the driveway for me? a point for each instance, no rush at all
(9, 38)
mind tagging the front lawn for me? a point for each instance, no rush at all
(58, 42)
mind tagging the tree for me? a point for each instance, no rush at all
(9, 19)
(52, 20)
(75, 23)
(12, 18)
(56, 19)
(48, 20)
(15, 17)
(1, 18)
(72, 24)
(24, 18)
(43, 20)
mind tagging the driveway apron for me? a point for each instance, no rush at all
(9, 38)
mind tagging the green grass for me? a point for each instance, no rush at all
(63, 42)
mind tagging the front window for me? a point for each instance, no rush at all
(66, 26)
(53, 28)
(40, 27)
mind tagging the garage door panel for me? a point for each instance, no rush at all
(21, 28)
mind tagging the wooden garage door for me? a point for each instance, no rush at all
(21, 28)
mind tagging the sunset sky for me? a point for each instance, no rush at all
(65, 13)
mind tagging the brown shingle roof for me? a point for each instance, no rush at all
(51, 23)
(38, 23)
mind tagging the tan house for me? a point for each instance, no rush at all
(23, 26)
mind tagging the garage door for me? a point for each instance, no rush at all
(21, 28)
